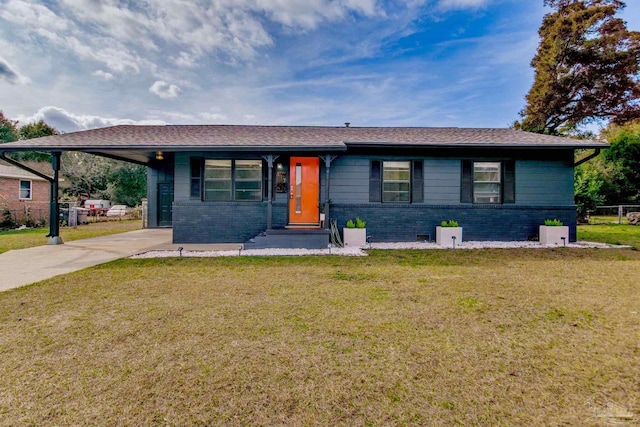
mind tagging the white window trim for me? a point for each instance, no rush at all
(20, 181)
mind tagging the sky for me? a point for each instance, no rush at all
(82, 64)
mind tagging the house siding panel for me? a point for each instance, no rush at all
(442, 181)
(541, 183)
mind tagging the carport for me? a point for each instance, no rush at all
(106, 143)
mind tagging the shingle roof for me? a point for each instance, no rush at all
(183, 137)
(7, 171)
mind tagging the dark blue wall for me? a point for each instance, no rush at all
(222, 222)
(403, 223)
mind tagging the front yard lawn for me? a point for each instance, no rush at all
(615, 234)
(36, 236)
(483, 337)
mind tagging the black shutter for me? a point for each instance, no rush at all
(466, 182)
(417, 182)
(196, 178)
(375, 181)
(265, 180)
(509, 182)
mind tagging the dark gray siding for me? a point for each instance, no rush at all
(152, 197)
(441, 181)
(543, 182)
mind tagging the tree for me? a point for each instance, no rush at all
(127, 184)
(98, 177)
(587, 68)
(622, 161)
(8, 129)
(35, 130)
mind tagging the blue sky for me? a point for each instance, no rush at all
(80, 64)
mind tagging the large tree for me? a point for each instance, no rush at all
(587, 68)
(8, 129)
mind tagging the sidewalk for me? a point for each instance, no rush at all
(24, 266)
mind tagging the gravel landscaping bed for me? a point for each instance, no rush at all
(362, 251)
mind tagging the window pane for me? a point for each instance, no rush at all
(217, 180)
(487, 182)
(248, 169)
(248, 180)
(25, 189)
(396, 182)
(486, 172)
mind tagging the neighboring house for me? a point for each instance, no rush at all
(230, 183)
(23, 192)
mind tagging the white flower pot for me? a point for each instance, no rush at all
(354, 237)
(552, 235)
(444, 235)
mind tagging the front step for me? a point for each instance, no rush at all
(313, 238)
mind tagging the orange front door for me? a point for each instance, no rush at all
(304, 190)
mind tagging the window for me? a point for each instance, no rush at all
(25, 190)
(226, 180)
(396, 182)
(487, 182)
(248, 180)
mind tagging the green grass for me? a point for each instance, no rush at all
(611, 233)
(36, 237)
(482, 337)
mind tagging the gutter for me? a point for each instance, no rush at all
(587, 158)
(23, 167)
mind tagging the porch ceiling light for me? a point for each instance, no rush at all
(159, 155)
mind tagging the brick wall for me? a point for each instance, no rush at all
(10, 191)
(222, 222)
(392, 222)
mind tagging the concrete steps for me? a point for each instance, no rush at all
(310, 238)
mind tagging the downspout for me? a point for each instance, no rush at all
(587, 158)
(327, 163)
(54, 207)
(270, 159)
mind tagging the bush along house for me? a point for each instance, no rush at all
(267, 185)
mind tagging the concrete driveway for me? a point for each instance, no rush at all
(24, 266)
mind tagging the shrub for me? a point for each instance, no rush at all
(351, 224)
(360, 223)
(553, 222)
(8, 222)
(450, 223)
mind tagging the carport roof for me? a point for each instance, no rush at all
(139, 143)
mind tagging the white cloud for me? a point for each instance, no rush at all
(10, 74)
(65, 121)
(462, 4)
(103, 75)
(213, 117)
(165, 90)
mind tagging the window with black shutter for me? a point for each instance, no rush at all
(487, 182)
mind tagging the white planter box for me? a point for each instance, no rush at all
(553, 235)
(444, 235)
(355, 237)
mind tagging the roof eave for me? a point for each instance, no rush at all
(540, 146)
(173, 148)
